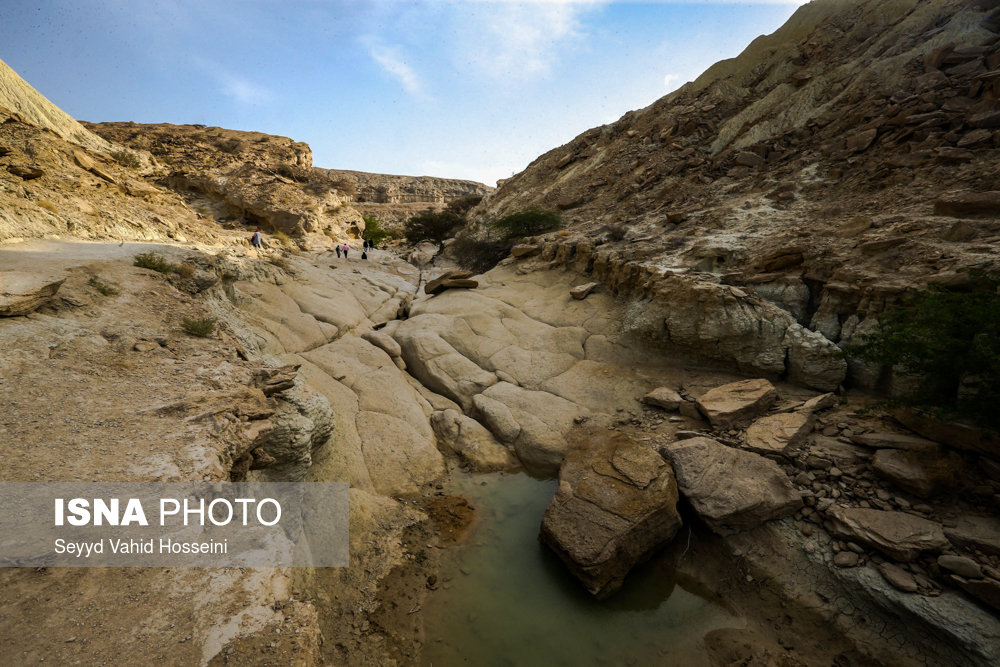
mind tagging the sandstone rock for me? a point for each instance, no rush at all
(26, 172)
(897, 534)
(616, 504)
(975, 532)
(146, 346)
(837, 451)
(737, 401)
(470, 441)
(975, 138)
(817, 403)
(774, 433)
(861, 141)
(889, 440)
(663, 397)
(923, 472)
(273, 381)
(732, 490)
(955, 435)
(846, 559)
(984, 590)
(935, 58)
(897, 577)
(960, 565)
(524, 250)
(581, 291)
(22, 293)
(965, 204)
(985, 119)
(383, 341)
(748, 159)
(452, 279)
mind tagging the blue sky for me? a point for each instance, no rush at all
(458, 89)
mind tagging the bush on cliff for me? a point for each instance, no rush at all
(529, 222)
(432, 226)
(374, 231)
(948, 340)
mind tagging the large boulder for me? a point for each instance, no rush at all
(470, 440)
(737, 401)
(732, 490)
(923, 472)
(899, 535)
(22, 293)
(975, 532)
(616, 504)
(450, 280)
(774, 433)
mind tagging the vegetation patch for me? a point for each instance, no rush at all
(151, 260)
(185, 270)
(374, 231)
(201, 327)
(478, 255)
(127, 159)
(949, 341)
(432, 225)
(48, 206)
(107, 289)
(529, 222)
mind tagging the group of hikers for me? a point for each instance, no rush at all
(257, 242)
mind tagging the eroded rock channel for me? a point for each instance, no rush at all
(815, 535)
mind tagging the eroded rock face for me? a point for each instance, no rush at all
(737, 401)
(616, 503)
(471, 441)
(897, 534)
(774, 433)
(732, 490)
(23, 293)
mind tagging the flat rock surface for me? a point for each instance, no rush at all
(726, 405)
(730, 489)
(774, 433)
(616, 503)
(897, 534)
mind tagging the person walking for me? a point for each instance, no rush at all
(255, 240)
(338, 251)
(345, 250)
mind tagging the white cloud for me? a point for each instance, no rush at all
(237, 87)
(516, 40)
(395, 65)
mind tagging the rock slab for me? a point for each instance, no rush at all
(899, 535)
(732, 490)
(737, 401)
(616, 504)
(23, 293)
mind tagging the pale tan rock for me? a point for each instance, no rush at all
(817, 403)
(471, 441)
(581, 291)
(738, 401)
(22, 293)
(897, 534)
(731, 489)
(663, 397)
(774, 433)
(616, 503)
(889, 440)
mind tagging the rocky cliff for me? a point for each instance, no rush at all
(841, 161)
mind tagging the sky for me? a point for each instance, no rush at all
(457, 89)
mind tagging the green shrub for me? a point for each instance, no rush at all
(127, 159)
(151, 260)
(432, 226)
(198, 326)
(478, 255)
(949, 341)
(374, 232)
(527, 223)
(107, 289)
(463, 205)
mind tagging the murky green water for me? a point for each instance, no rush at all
(510, 601)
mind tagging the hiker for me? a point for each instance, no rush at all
(364, 245)
(345, 251)
(364, 255)
(338, 251)
(255, 240)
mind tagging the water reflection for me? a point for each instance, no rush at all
(510, 600)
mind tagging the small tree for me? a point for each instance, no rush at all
(950, 342)
(374, 232)
(527, 223)
(432, 226)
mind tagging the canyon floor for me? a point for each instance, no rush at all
(101, 382)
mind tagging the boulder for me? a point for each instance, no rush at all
(385, 342)
(960, 565)
(897, 577)
(861, 141)
(899, 535)
(962, 204)
(889, 440)
(616, 504)
(817, 403)
(975, 532)
(737, 401)
(22, 293)
(957, 436)
(773, 433)
(663, 397)
(456, 278)
(581, 291)
(730, 489)
(986, 590)
(837, 452)
(26, 172)
(470, 441)
(923, 472)
(524, 250)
